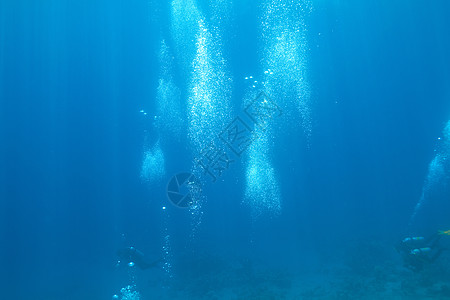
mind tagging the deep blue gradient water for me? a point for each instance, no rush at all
(82, 106)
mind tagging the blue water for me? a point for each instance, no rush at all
(102, 102)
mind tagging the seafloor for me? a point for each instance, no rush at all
(368, 271)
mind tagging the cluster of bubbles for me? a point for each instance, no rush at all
(167, 248)
(284, 55)
(284, 58)
(209, 84)
(220, 14)
(195, 209)
(262, 190)
(184, 27)
(445, 147)
(198, 44)
(438, 171)
(208, 108)
(255, 84)
(153, 164)
(128, 293)
(168, 97)
(168, 121)
(167, 267)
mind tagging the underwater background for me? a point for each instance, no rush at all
(102, 103)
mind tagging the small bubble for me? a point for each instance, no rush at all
(246, 78)
(251, 77)
(131, 264)
(163, 207)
